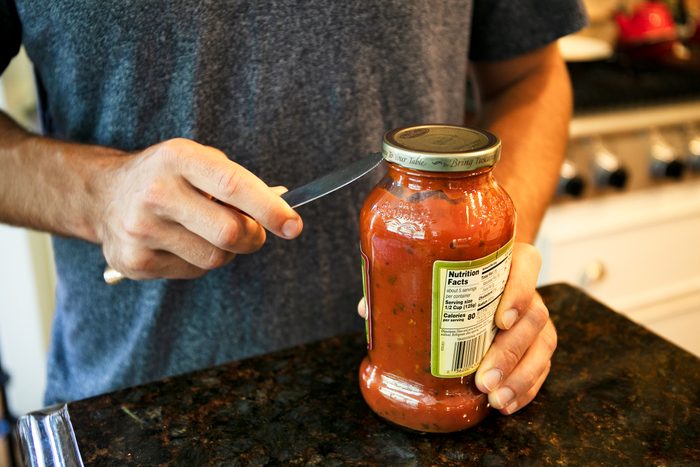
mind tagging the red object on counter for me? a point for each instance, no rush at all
(649, 22)
(648, 33)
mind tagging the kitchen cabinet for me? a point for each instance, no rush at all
(638, 253)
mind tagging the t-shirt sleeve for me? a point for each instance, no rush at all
(503, 29)
(10, 32)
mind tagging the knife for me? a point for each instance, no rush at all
(299, 196)
(332, 181)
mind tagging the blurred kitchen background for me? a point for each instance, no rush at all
(27, 283)
(625, 225)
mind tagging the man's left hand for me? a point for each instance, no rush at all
(519, 359)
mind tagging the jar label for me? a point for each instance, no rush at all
(365, 291)
(465, 297)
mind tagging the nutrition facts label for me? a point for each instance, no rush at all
(465, 297)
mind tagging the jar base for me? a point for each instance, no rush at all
(410, 405)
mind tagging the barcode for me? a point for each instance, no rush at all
(468, 353)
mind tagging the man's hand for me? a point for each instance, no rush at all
(159, 219)
(173, 210)
(518, 362)
(519, 359)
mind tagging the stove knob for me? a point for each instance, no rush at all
(570, 181)
(608, 171)
(665, 163)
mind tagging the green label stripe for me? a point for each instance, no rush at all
(365, 293)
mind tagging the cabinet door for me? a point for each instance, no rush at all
(638, 253)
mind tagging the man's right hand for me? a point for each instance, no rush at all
(158, 218)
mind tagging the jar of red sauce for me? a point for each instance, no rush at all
(436, 238)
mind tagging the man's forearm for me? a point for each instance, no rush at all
(50, 185)
(530, 114)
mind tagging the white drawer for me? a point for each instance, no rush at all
(677, 319)
(638, 253)
(631, 268)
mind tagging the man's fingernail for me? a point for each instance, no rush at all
(509, 318)
(510, 408)
(491, 378)
(503, 397)
(290, 228)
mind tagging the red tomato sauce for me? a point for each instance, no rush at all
(411, 219)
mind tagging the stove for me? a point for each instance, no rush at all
(634, 127)
(619, 151)
(626, 219)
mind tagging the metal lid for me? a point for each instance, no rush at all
(441, 148)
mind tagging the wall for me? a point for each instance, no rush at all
(27, 277)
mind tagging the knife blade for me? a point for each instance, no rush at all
(332, 181)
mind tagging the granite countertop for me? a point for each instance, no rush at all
(617, 394)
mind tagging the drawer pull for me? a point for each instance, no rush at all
(594, 272)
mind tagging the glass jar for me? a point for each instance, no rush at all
(436, 238)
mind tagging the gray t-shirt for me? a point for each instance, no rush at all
(288, 89)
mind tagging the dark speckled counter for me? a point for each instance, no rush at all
(617, 395)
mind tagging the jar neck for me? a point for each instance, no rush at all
(421, 179)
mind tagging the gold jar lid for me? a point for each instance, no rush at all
(441, 148)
